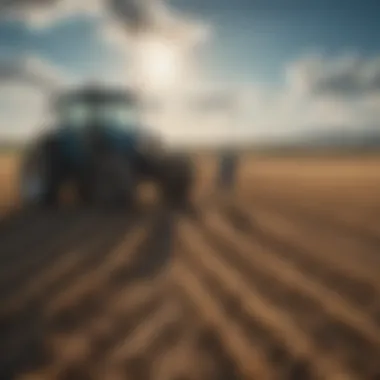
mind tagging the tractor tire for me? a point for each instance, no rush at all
(41, 175)
(113, 183)
(177, 178)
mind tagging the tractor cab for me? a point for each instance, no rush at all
(98, 108)
(94, 119)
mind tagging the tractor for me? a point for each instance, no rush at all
(100, 145)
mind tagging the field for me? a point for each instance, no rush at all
(280, 281)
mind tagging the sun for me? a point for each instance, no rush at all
(158, 65)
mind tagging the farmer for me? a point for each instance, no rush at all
(227, 170)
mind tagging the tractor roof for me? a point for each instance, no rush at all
(99, 94)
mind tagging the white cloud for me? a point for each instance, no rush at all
(44, 13)
(244, 113)
(348, 75)
(156, 17)
(33, 71)
(23, 111)
(343, 89)
(26, 87)
(295, 108)
(137, 17)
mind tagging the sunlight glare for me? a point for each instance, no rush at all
(158, 64)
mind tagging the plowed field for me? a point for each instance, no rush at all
(281, 281)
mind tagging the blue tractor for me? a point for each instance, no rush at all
(101, 146)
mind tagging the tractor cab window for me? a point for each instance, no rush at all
(76, 115)
(118, 115)
(80, 113)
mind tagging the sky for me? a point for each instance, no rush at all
(274, 69)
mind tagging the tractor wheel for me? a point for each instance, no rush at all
(41, 175)
(113, 183)
(177, 174)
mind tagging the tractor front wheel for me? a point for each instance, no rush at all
(109, 183)
(41, 175)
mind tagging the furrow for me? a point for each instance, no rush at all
(250, 361)
(97, 277)
(53, 246)
(271, 316)
(137, 343)
(314, 254)
(285, 272)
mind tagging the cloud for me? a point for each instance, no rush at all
(33, 71)
(136, 16)
(44, 13)
(349, 75)
(243, 113)
(319, 93)
(158, 18)
(24, 111)
(26, 87)
(137, 28)
(308, 101)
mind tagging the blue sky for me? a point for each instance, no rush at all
(256, 42)
(252, 41)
